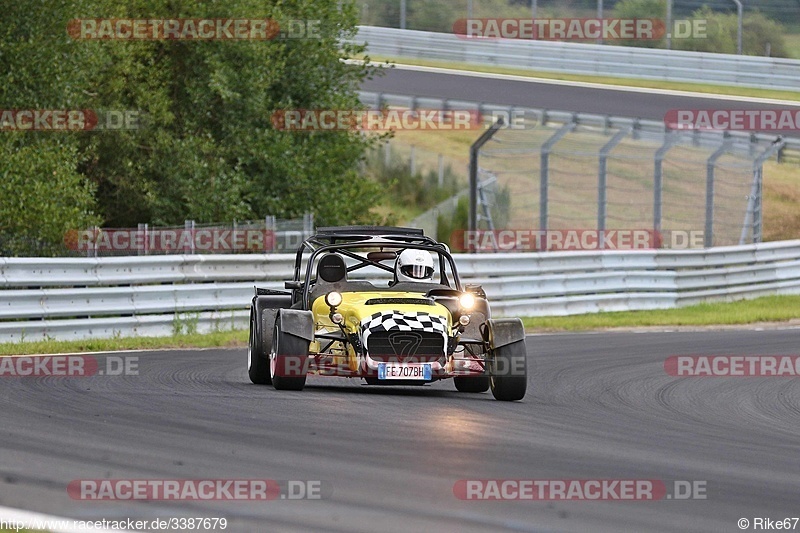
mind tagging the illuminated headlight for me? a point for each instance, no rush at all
(463, 320)
(337, 318)
(467, 301)
(333, 299)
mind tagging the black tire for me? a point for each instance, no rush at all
(508, 371)
(287, 352)
(257, 362)
(471, 383)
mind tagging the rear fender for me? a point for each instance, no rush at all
(265, 308)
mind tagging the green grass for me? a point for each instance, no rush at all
(766, 309)
(196, 340)
(773, 309)
(605, 80)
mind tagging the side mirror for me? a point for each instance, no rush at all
(293, 285)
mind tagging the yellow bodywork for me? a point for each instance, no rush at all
(354, 309)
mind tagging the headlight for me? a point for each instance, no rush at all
(467, 301)
(333, 299)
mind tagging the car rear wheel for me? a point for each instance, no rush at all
(508, 371)
(471, 383)
(257, 362)
(287, 360)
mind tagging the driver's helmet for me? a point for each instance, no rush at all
(414, 265)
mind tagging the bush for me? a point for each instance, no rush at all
(722, 29)
(641, 9)
(42, 196)
(418, 191)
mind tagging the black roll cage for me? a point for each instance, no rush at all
(342, 240)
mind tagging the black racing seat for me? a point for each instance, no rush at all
(332, 276)
(331, 269)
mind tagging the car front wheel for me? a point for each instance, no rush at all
(508, 371)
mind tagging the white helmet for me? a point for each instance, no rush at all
(414, 265)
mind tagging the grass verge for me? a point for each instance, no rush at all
(216, 339)
(707, 88)
(773, 309)
(765, 309)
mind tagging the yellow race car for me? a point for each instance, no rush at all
(385, 305)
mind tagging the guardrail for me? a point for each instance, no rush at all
(713, 138)
(592, 59)
(159, 295)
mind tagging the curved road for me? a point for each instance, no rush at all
(600, 406)
(554, 95)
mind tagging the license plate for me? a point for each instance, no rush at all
(404, 371)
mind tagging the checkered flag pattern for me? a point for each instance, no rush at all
(397, 321)
(394, 320)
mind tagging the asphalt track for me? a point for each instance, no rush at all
(560, 96)
(600, 406)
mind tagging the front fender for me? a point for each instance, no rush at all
(298, 323)
(504, 331)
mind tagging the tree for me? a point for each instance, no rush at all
(42, 195)
(205, 147)
(209, 151)
(642, 9)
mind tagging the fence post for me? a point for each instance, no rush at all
(602, 191)
(473, 171)
(271, 226)
(708, 238)
(308, 225)
(441, 171)
(140, 232)
(544, 170)
(412, 162)
(670, 138)
(233, 236)
(91, 251)
(188, 226)
(754, 213)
